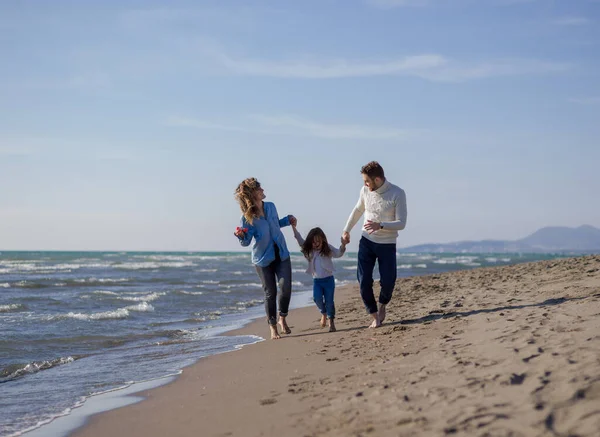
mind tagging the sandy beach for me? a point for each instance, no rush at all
(507, 351)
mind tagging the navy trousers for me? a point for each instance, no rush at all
(385, 255)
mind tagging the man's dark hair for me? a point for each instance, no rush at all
(373, 170)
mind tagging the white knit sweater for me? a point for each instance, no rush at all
(386, 206)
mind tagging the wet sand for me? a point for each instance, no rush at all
(507, 351)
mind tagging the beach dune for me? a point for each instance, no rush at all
(507, 351)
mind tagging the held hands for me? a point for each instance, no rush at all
(345, 238)
(293, 221)
(372, 226)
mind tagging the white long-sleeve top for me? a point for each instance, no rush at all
(386, 206)
(320, 266)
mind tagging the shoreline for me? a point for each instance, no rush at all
(79, 414)
(489, 351)
(493, 350)
(257, 327)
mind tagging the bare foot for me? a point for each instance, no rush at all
(381, 313)
(274, 334)
(284, 326)
(376, 323)
(332, 326)
(323, 320)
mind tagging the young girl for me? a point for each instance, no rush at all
(319, 254)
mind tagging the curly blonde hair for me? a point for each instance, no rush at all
(244, 194)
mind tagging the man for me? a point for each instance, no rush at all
(384, 206)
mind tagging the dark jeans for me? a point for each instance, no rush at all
(385, 255)
(323, 290)
(277, 272)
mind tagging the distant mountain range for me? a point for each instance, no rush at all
(555, 239)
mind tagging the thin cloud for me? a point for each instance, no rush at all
(433, 67)
(328, 69)
(297, 126)
(209, 125)
(331, 131)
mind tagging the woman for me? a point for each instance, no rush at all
(270, 254)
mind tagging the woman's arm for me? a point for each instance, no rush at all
(287, 221)
(284, 221)
(244, 233)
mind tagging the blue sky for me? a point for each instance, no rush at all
(127, 125)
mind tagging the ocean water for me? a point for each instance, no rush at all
(77, 324)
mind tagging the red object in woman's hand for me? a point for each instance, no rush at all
(238, 229)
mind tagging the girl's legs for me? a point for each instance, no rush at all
(319, 298)
(332, 326)
(323, 322)
(329, 290)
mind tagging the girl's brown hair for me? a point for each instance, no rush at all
(307, 248)
(244, 194)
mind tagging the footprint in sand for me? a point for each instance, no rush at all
(268, 401)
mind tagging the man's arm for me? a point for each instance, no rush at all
(401, 214)
(356, 213)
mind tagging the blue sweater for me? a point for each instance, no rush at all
(266, 232)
